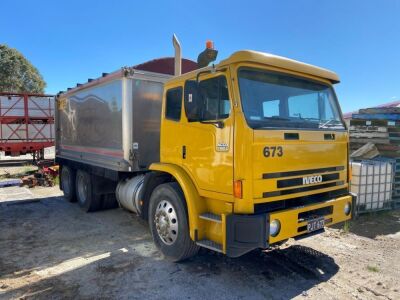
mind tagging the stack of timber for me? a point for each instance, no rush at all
(376, 132)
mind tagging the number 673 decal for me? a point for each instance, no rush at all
(273, 151)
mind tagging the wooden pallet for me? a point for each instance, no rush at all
(377, 116)
(372, 122)
(380, 126)
(380, 110)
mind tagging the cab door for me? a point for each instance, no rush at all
(208, 142)
(171, 126)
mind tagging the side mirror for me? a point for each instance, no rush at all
(193, 101)
(207, 56)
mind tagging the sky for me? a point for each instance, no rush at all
(70, 41)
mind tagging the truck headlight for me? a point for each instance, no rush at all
(274, 227)
(347, 208)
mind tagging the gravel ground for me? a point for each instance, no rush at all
(51, 249)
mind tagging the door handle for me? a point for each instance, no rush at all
(184, 152)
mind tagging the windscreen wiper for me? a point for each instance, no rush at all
(328, 124)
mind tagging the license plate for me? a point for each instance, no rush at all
(315, 224)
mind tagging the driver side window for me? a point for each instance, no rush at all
(216, 99)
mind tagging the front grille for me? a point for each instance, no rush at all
(301, 172)
(284, 183)
(314, 213)
(302, 189)
(299, 201)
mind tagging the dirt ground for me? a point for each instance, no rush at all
(50, 249)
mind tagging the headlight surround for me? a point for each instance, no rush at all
(347, 208)
(274, 227)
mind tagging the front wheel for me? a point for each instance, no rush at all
(169, 222)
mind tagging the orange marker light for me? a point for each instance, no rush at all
(237, 189)
(209, 44)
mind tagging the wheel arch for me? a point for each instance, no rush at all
(171, 172)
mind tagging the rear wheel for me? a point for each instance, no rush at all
(87, 199)
(68, 183)
(169, 222)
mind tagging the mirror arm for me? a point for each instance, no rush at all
(223, 69)
(200, 73)
(218, 124)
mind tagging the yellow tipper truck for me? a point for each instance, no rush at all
(236, 156)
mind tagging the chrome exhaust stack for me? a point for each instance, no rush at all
(178, 55)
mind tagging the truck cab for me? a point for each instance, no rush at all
(262, 140)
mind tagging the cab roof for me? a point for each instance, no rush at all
(280, 62)
(269, 60)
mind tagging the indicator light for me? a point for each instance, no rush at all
(237, 189)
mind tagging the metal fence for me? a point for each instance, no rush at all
(26, 123)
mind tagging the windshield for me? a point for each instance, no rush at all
(275, 100)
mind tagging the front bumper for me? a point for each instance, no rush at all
(294, 221)
(247, 232)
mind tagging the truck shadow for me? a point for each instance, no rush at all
(269, 270)
(59, 252)
(279, 274)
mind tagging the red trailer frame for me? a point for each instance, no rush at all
(26, 123)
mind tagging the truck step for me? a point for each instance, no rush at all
(211, 217)
(210, 245)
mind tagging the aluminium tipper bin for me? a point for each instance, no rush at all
(372, 182)
(112, 122)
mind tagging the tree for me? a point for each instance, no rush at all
(17, 74)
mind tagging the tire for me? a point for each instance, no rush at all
(167, 203)
(67, 183)
(85, 195)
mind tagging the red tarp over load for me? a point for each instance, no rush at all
(166, 65)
